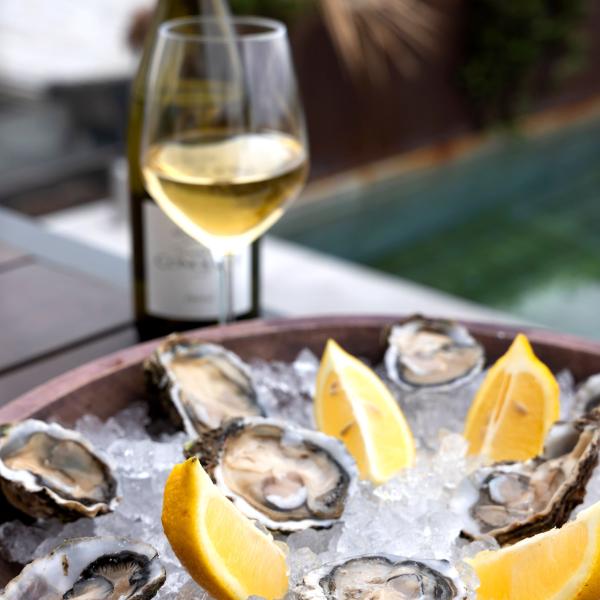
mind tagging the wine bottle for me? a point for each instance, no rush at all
(175, 281)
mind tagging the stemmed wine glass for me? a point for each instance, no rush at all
(224, 149)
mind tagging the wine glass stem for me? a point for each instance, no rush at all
(225, 272)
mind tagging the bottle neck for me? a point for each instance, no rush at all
(174, 9)
(165, 11)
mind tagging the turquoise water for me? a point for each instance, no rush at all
(515, 226)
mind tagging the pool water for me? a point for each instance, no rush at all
(515, 226)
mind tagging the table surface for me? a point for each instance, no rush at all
(53, 319)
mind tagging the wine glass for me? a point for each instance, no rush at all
(224, 148)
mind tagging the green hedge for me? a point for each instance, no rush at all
(515, 48)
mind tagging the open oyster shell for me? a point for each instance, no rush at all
(101, 568)
(200, 385)
(285, 477)
(514, 500)
(49, 471)
(432, 353)
(382, 578)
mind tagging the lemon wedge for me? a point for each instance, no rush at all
(560, 564)
(354, 405)
(514, 408)
(223, 550)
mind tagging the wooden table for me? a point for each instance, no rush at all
(54, 318)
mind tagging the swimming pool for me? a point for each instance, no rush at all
(514, 225)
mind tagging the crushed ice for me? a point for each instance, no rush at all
(412, 515)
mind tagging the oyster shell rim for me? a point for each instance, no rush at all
(310, 587)
(390, 358)
(569, 494)
(332, 446)
(163, 386)
(143, 548)
(25, 482)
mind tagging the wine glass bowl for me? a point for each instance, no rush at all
(224, 147)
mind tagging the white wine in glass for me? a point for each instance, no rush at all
(226, 192)
(224, 146)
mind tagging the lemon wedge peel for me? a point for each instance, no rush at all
(190, 499)
(373, 412)
(519, 391)
(507, 574)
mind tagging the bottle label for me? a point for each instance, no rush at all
(181, 278)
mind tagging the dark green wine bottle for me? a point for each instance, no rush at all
(175, 281)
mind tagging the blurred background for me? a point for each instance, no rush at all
(454, 143)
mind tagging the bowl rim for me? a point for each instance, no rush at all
(579, 355)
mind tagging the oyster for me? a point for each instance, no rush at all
(382, 578)
(101, 568)
(514, 500)
(432, 353)
(49, 471)
(286, 477)
(200, 384)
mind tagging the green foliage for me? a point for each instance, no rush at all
(516, 47)
(287, 10)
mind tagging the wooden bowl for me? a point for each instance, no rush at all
(107, 385)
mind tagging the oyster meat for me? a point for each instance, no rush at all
(382, 578)
(200, 385)
(286, 477)
(514, 500)
(432, 353)
(101, 568)
(49, 471)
